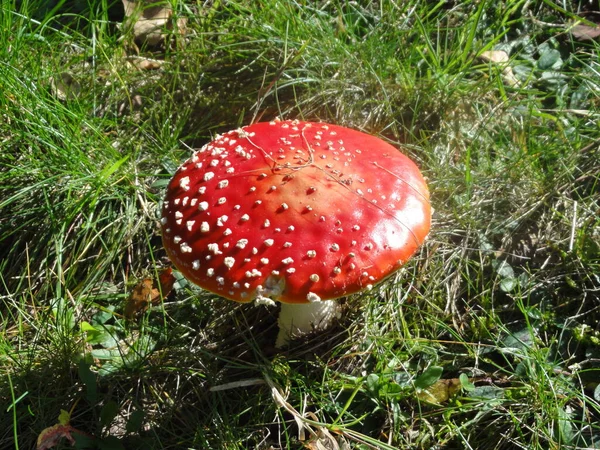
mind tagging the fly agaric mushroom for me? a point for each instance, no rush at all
(298, 212)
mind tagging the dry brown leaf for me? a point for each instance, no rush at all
(166, 280)
(151, 21)
(140, 297)
(146, 292)
(501, 58)
(585, 32)
(322, 440)
(51, 436)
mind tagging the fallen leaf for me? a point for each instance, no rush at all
(495, 56)
(150, 21)
(585, 32)
(322, 440)
(166, 280)
(502, 59)
(51, 436)
(440, 391)
(146, 292)
(142, 294)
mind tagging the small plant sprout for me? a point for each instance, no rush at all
(297, 212)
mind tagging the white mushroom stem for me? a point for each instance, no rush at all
(299, 319)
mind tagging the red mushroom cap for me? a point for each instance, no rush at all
(295, 211)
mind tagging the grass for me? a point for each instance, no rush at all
(487, 339)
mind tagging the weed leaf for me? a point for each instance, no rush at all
(428, 377)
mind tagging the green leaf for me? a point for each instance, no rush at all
(519, 339)
(597, 393)
(372, 383)
(86, 326)
(95, 335)
(508, 284)
(487, 392)
(402, 379)
(105, 354)
(522, 369)
(106, 336)
(549, 59)
(554, 78)
(427, 378)
(109, 368)
(169, 165)
(135, 421)
(390, 388)
(89, 380)
(84, 441)
(102, 316)
(111, 443)
(466, 383)
(64, 417)
(160, 184)
(565, 426)
(503, 269)
(109, 412)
